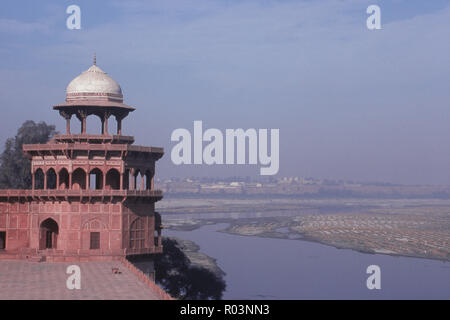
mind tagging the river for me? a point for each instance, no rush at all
(267, 268)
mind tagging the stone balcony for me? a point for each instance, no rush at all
(71, 195)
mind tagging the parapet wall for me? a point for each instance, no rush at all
(22, 222)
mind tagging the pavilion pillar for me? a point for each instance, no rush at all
(121, 181)
(142, 187)
(45, 180)
(57, 181)
(103, 125)
(70, 181)
(133, 180)
(66, 116)
(119, 118)
(83, 125)
(106, 115)
(119, 127)
(106, 125)
(33, 180)
(82, 115)
(87, 181)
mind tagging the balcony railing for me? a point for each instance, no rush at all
(68, 193)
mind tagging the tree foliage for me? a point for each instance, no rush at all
(15, 172)
(184, 281)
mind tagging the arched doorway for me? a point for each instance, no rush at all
(79, 179)
(95, 179)
(48, 234)
(63, 179)
(112, 180)
(137, 180)
(39, 179)
(51, 179)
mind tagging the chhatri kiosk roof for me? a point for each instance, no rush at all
(93, 88)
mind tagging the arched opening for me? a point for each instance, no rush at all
(51, 179)
(96, 179)
(112, 180)
(63, 179)
(48, 234)
(39, 179)
(78, 179)
(137, 234)
(137, 180)
(112, 126)
(144, 182)
(74, 125)
(132, 181)
(93, 124)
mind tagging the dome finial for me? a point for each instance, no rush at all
(95, 59)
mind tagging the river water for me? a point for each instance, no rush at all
(266, 268)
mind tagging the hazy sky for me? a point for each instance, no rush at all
(350, 103)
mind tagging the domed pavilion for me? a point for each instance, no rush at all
(92, 195)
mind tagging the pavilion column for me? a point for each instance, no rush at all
(67, 126)
(83, 125)
(45, 180)
(82, 115)
(57, 181)
(33, 180)
(66, 116)
(103, 125)
(70, 181)
(152, 182)
(142, 182)
(119, 127)
(121, 181)
(133, 181)
(87, 181)
(106, 115)
(119, 117)
(106, 126)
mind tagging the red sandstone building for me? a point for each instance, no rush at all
(92, 196)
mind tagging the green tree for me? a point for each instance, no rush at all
(181, 280)
(15, 172)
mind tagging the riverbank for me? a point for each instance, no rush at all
(373, 234)
(401, 227)
(267, 268)
(197, 258)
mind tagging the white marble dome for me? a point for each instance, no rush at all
(94, 84)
